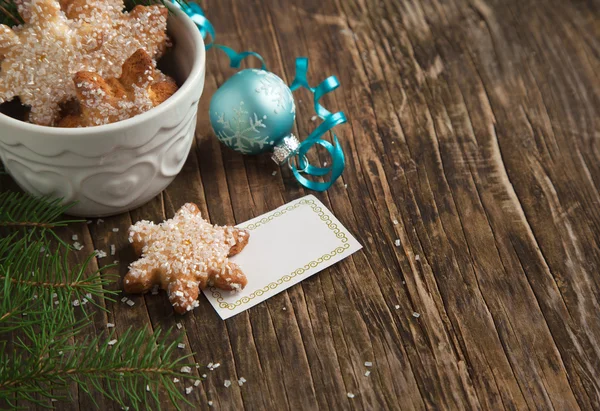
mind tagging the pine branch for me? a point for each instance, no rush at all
(31, 264)
(37, 295)
(22, 210)
(8, 13)
(129, 371)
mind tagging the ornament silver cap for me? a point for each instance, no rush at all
(285, 148)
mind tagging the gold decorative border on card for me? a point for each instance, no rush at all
(299, 271)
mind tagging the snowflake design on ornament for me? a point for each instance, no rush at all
(272, 87)
(240, 133)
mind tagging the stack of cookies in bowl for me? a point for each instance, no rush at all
(88, 113)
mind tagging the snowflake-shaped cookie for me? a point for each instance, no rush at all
(184, 254)
(39, 58)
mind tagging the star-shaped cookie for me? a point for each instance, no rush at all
(39, 58)
(185, 254)
(103, 101)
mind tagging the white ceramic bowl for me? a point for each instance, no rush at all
(116, 167)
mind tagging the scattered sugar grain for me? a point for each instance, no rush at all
(188, 390)
(395, 222)
(115, 261)
(130, 303)
(99, 221)
(112, 342)
(397, 242)
(179, 326)
(115, 230)
(367, 373)
(181, 345)
(147, 388)
(185, 369)
(417, 257)
(210, 403)
(204, 375)
(197, 383)
(110, 325)
(88, 222)
(175, 379)
(77, 246)
(113, 249)
(313, 118)
(227, 383)
(100, 253)
(76, 303)
(350, 395)
(368, 364)
(284, 309)
(74, 237)
(416, 315)
(274, 173)
(345, 185)
(42, 249)
(124, 299)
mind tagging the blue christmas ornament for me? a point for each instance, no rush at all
(253, 112)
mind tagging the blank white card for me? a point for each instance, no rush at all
(286, 246)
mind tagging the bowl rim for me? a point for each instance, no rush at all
(191, 81)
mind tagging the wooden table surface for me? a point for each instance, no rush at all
(474, 139)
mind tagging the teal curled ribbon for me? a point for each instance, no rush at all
(329, 120)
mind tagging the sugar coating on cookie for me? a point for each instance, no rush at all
(184, 254)
(103, 101)
(39, 58)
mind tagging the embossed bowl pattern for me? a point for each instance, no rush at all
(113, 168)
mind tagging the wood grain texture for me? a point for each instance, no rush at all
(474, 139)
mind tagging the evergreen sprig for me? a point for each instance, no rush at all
(32, 274)
(8, 13)
(129, 370)
(44, 312)
(23, 210)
